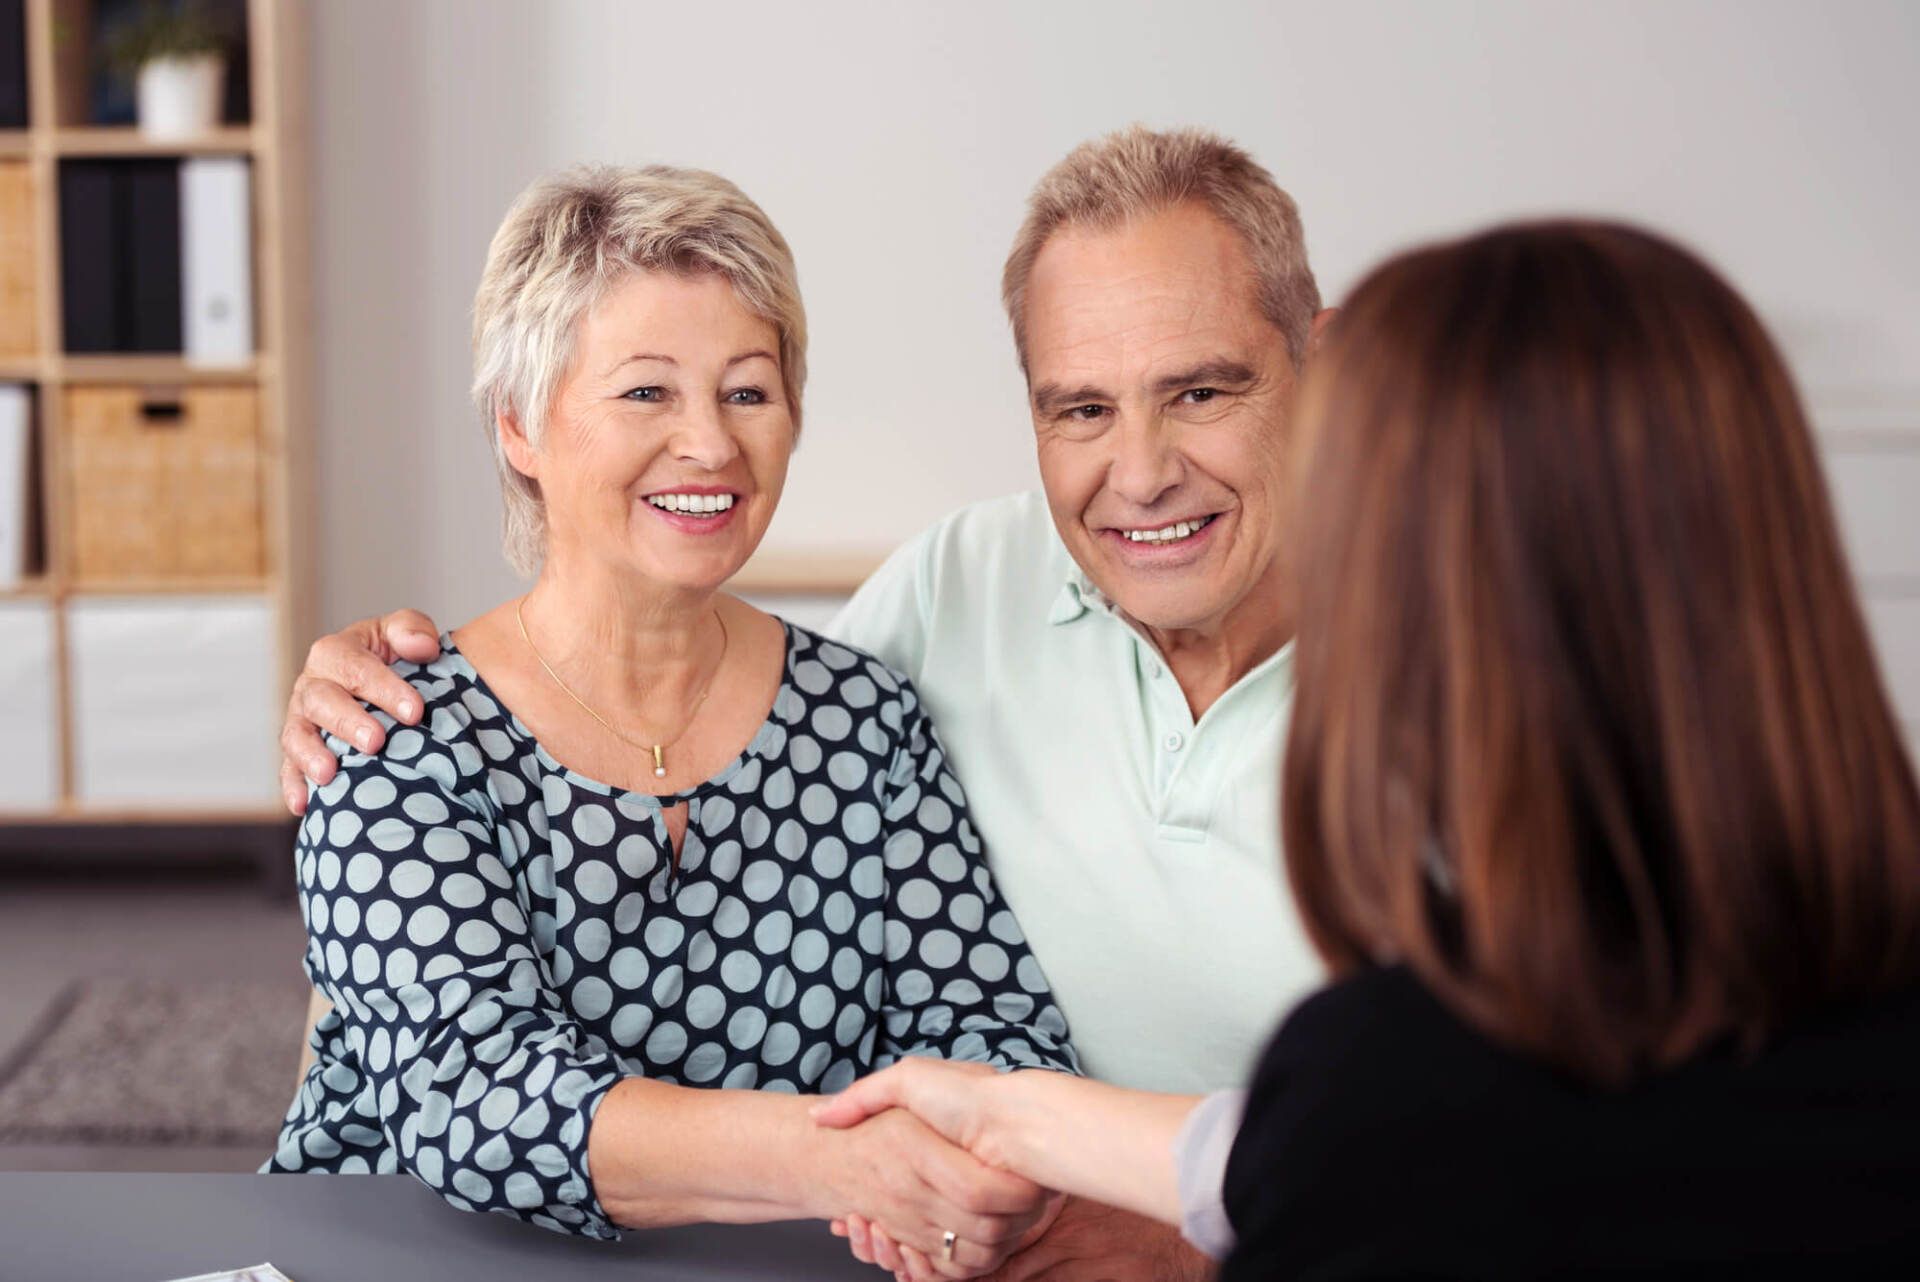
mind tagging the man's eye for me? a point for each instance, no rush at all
(1087, 413)
(1199, 395)
(651, 395)
(746, 396)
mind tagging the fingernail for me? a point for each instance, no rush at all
(409, 709)
(422, 636)
(365, 739)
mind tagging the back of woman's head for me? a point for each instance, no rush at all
(1589, 729)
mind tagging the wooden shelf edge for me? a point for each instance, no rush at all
(79, 814)
(125, 140)
(213, 585)
(133, 368)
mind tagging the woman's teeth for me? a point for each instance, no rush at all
(692, 504)
(1168, 533)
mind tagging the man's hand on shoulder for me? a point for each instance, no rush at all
(344, 669)
(1094, 1243)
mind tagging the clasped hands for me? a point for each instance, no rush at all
(995, 1213)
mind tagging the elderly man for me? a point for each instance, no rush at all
(1110, 665)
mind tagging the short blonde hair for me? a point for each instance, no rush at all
(1139, 171)
(565, 241)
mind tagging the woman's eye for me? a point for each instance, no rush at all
(746, 396)
(650, 395)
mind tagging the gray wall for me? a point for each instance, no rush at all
(894, 143)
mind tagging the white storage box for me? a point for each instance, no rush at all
(30, 745)
(175, 701)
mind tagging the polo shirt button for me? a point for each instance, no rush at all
(1174, 742)
(1155, 671)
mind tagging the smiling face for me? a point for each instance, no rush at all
(667, 444)
(1160, 394)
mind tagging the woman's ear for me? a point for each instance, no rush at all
(514, 444)
(1321, 322)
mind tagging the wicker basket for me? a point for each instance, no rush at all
(163, 483)
(19, 326)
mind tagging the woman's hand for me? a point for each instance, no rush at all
(950, 1097)
(343, 669)
(1068, 1134)
(892, 1169)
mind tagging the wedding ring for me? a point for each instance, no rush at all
(947, 1240)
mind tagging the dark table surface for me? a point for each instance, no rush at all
(358, 1228)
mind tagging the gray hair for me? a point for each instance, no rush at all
(1103, 183)
(565, 241)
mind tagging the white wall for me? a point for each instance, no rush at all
(894, 144)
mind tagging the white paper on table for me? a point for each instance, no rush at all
(258, 1273)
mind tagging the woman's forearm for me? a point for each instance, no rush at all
(1088, 1138)
(661, 1155)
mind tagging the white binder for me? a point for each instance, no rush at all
(216, 259)
(16, 482)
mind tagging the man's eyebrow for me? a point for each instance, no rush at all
(1230, 375)
(1049, 397)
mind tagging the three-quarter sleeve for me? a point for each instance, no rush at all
(484, 1086)
(1200, 1153)
(961, 982)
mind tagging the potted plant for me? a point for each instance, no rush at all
(176, 55)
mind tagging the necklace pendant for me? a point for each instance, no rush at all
(659, 763)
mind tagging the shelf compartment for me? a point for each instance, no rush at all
(174, 702)
(163, 483)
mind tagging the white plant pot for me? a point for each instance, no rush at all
(180, 97)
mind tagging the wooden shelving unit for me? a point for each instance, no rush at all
(59, 67)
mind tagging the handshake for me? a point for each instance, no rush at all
(939, 1199)
(968, 1172)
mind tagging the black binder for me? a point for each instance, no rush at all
(151, 235)
(13, 64)
(120, 255)
(89, 295)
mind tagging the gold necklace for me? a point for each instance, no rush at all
(657, 749)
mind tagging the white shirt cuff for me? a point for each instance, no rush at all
(1200, 1153)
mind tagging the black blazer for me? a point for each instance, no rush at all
(1385, 1138)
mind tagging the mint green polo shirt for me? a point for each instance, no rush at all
(1140, 850)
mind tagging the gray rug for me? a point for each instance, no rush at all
(127, 1061)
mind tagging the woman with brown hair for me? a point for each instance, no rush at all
(1594, 803)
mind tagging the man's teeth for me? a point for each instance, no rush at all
(1167, 533)
(692, 504)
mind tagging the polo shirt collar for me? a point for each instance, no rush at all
(1076, 597)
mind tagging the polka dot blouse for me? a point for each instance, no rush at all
(503, 939)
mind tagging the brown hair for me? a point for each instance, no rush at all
(1138, 171)
(1589, 731)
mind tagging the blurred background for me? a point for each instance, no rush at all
(233, 362)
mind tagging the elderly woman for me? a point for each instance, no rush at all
(1594, 802)
(648, 841)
